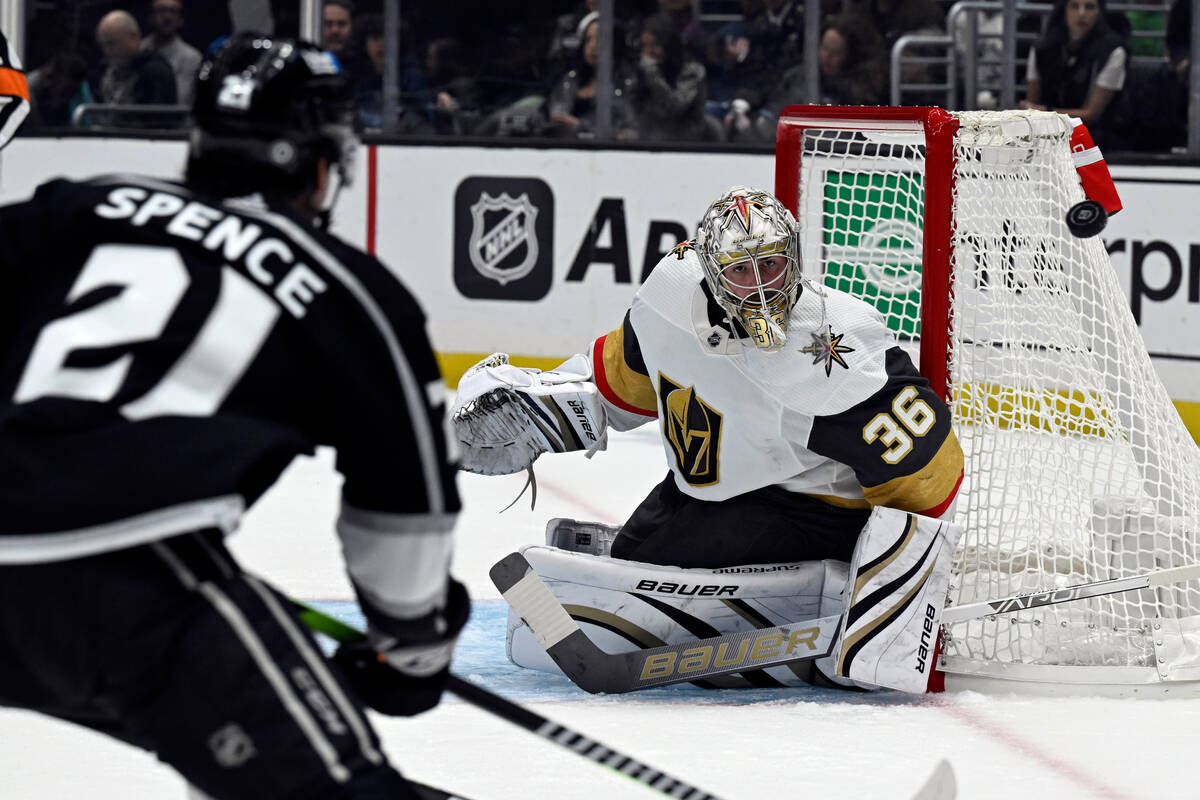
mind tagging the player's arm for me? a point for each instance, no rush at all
(14, 92)
(898, 441)
(506, 416)
(622, 378)
(399, 502)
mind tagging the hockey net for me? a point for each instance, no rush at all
(1078, 467)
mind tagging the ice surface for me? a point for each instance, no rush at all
(795, 743)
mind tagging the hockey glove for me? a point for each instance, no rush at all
(401, 669)
(505, 416)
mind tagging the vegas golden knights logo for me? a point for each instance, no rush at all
(693, 429)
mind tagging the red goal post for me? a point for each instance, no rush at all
(939, 128)
(1078, 468)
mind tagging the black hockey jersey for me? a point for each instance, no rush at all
(164, 356)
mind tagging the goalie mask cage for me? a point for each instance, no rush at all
(1078, 467)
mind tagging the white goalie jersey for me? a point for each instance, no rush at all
(839, 413)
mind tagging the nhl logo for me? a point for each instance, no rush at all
(503, 244)
(503, 238)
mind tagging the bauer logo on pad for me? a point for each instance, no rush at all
(503, 238)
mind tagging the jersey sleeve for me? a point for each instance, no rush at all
(622, 378)
(899, 442)
(14, 92)
(29, 240)
(399, 499)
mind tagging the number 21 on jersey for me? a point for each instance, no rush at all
(152, 282)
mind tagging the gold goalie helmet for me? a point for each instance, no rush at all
(750, 248)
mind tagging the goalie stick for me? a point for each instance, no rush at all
(594, 670)
(519, 715)
(940, 785)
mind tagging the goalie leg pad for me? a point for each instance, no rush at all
(628, 605)
(899, 576)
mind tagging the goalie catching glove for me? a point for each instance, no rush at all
(504, 416)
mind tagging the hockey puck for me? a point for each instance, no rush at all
(1086, 219)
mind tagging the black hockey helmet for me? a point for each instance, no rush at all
(266, 110)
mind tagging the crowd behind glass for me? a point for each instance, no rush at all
(706, 71)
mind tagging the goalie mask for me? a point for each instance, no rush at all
(749, 247)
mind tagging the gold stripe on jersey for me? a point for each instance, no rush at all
(631, 387)
(927, 488)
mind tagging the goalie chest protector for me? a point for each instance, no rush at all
(734, 418)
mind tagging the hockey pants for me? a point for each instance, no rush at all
(171, 647)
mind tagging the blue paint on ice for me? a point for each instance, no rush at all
(480, 658)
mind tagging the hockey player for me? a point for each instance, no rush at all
(14, 92)
(787, 410)
(167, 349)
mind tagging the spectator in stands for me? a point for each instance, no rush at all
(132, 76)
(685, 22)
(853, 71)
(337, 26)
(896, 18)
(1077, 67)
(853, 62)
(1152, 110)
(337, 36)
(776, 34)
(1179, 36)
(166, 19)
(572, 103)
(736, 80)
(671, 88)
(412, 85)
(56, 89)
(566, 41)
(456, 101)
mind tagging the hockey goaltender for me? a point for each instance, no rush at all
(813, 471)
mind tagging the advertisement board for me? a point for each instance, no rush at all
(536, 251)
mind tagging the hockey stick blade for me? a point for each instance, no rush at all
(940, 785)
(1021, 602)
(594, 670)
(531, 721)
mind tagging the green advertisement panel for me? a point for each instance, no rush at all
(871, 223)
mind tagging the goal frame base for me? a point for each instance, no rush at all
(1036, 680)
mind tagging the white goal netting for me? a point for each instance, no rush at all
(1078, 467)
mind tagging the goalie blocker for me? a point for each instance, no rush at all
(886, 638)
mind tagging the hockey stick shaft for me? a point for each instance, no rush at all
(531, 721)
(1021, 602)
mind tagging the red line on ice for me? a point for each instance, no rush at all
(1031, 751)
